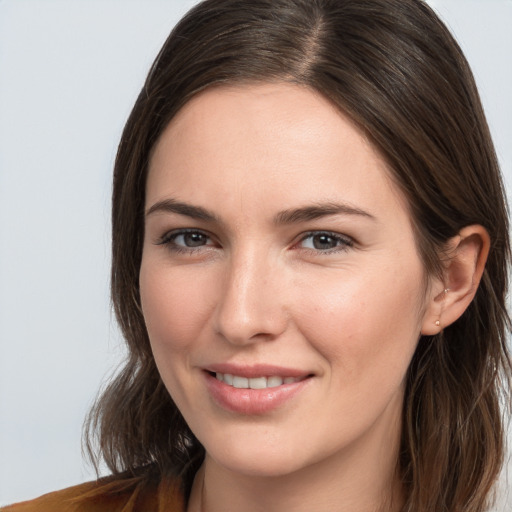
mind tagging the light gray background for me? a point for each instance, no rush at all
(69, 74)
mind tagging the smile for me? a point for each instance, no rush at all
(258, 389)
(239, 382)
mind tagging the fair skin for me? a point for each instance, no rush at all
(298, 260)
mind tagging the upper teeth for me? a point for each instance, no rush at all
(255, 382)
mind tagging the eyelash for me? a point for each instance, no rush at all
(343, 243)
(169, 240)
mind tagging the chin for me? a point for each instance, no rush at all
(262, 459)
(259, 466)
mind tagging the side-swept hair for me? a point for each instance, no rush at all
(395, 70)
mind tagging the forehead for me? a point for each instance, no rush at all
(282, 121)
(265, 109)
(254, 134)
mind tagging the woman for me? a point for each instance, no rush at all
(310, 248)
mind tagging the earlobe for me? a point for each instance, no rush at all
(466, 255)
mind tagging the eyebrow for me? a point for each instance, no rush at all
(291, 216)
(189, 210)
(318, 211)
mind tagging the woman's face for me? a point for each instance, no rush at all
(279, 255)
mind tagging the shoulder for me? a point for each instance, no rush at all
(109, 495)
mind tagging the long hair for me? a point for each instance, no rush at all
(394, 69)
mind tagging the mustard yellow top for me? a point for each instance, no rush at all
(108, 495)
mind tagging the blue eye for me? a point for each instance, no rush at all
(191, 239)
(325, 242)
(185, 239)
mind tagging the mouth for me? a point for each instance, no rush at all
(255, 390)
(263, 382)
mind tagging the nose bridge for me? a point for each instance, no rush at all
(251, 307)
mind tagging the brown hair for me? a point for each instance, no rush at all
(396, 71)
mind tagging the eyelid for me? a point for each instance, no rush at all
(346, 241)
(168, 237)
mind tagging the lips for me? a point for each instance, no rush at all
(254, 390)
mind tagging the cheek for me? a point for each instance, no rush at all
(365, 326)
(175, 304)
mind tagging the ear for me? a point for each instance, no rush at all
(466, 255)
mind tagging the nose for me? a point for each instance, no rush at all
(252, 306)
